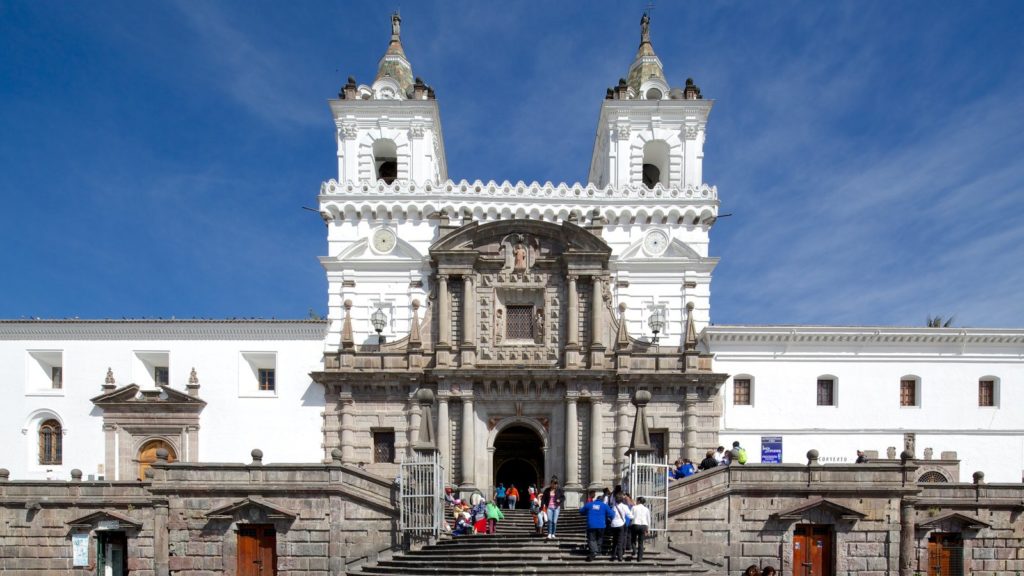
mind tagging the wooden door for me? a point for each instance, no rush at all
(147, 455)
(945, 555)
(812, 551)
(257, 550)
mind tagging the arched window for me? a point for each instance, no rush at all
(655, 165)
(147, 455)
(50, 443)
(932, 476)
(385, 160)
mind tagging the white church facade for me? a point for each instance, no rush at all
(515, 330)
(529, 310)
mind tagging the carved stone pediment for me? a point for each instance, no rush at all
(252, 508)
(104, 518)
(135, 395)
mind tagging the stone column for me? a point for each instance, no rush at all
(161, 540)
(572, 446)
(621, 432)
(596, 449)
(414, 426)
(468, 448)
(444, 312)
(347, 431)
(443, 443)
(690, 426)
(572, 330)
(468, 312)
(907, 537)
(596, 327)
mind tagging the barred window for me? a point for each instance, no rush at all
(658, 442)
(161, 376)
(908, 392)
(384, 446)
(519, 322)
(826, 392)
(50, 443)
(56, 377)
(986, 392)
(741, 391)
(267, 379)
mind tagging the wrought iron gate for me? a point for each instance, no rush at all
(647, 476)
(421, 495)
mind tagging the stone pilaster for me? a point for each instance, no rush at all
(572, 330)
(692, 451)
(621, 433)
(443, 438)
(444, 312)
(468, 312)
(572, 454)
(161, 540)
(468, 449)
(347, 431)
(596, 326)
(907, 537)
(414, 426)
(596, 446)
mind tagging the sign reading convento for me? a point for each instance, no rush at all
(771, 449)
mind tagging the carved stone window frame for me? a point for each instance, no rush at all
(519, 296)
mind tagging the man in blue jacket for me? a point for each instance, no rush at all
(598, 514)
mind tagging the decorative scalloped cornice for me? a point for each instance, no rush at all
(846, 335)
(162, 329)
(672, 203)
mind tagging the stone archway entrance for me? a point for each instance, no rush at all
(518, 460)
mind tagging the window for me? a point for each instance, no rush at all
(986, 393)
(519, 322)
(908, 392)
(826, 392)
(384, 446)
(385, 160)
(257, 375)
(741, 391)
(44, 372)
(655, 164)
(161, 376)
(150, 368)
(266, 378)
(50, 443)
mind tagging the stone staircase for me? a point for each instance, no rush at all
(516, 549)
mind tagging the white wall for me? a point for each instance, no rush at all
(867, 414)
(285, 425)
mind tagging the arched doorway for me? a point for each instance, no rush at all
(147, 455)
(518, 460)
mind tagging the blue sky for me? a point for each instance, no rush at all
(154, 157)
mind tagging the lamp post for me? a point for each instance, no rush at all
(656, 321)
(379, 319)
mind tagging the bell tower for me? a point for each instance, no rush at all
(649, 133)
(390, 130)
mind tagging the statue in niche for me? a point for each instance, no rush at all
(538, 325)
(519, 257)
(498, 325)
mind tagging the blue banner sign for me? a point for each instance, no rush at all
(771, 449)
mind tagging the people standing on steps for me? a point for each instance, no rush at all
(553, 499)
(512, 495)
(598, 514)
(709, 461)
(499, 495)
(719, 453)
(618, 527)
(752, 570)
(641, 524)
(768, 571)
(539, 515)
(494, 514)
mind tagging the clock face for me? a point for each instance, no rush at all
(655, 242)
(384, 240)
